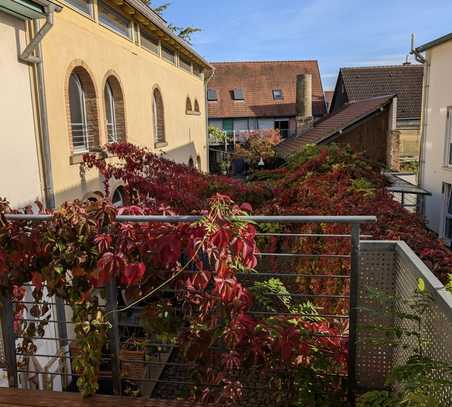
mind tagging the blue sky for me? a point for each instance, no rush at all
(335, 32)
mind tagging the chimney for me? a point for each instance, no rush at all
(305, 121)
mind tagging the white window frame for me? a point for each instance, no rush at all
(74, 7)
(83, 126)
(112, 128)
(448, 139)
(111, 27)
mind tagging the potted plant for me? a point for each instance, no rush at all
(132, 356)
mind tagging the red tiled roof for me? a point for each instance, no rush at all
(350, 114)
(258, 80)
(405, 81)
(329, 96)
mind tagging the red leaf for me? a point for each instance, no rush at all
(133, 274)
(36, 279)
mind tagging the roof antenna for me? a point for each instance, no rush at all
(414, 51)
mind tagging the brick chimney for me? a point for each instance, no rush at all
(305, 121)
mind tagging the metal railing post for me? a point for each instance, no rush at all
(112, 306)
(354, 291)
(9, 339)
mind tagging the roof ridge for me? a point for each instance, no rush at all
(381, 66)
(391, 95)
(265, 62)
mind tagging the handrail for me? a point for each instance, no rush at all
(186, 219)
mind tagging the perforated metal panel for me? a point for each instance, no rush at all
(393, 269)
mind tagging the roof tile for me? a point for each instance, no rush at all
(349, 114)
(405, 81)
(258, 80)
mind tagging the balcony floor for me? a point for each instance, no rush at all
(29, 398)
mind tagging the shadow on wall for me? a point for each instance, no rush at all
(92, 188)
(182, 154)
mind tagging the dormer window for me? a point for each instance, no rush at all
(237, 94)
(278, 94)
(212, 95)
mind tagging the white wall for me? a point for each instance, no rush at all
(438, 94)
(19, 174)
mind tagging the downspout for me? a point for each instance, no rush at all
(27, 53)
(424, 118)
(206, 84)
(32, 54)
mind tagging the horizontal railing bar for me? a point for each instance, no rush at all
(307, 235)
(295, 314)
(185, 219)
(292, 275)
(333, 256)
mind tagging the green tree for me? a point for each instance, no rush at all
(183, 32)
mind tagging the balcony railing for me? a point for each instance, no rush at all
(160, 371)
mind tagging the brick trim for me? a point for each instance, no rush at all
(120, 105)
(79, 67)
(157, 97)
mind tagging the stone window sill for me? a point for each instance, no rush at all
(77, 158)
(161, 144)
(193, 113)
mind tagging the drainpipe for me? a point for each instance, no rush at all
(206, 84)
(27, 53)
(424, 118)
(32, 54)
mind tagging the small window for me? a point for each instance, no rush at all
(278, 94)
(188, 106)
(197, 70)
(448, 160)
(185, 64)
(114, 20)
(114, 111)
(118, 198)
(82, 109)
(85, 6)
(212, 95)
(159, 118)
(150, 41)
(169, 54)
(79, 123)
(237, 94)
(191, 163)
(196, 107)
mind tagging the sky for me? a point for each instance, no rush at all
(336, 33)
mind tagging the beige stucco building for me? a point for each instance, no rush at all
(20, 178)
(436, 156)
(106, 71)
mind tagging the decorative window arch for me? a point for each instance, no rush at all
(159, 117)
(188, 106)
(196, 109)
(83, 116)
(114, 111)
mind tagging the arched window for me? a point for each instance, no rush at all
(118, 198)
(191, 163)
(196, 106)
(188, 107)
(82, 111)
(198, 163)
(114, 111)
(159, 118)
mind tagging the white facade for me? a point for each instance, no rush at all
(436, 163)
(19, 170)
